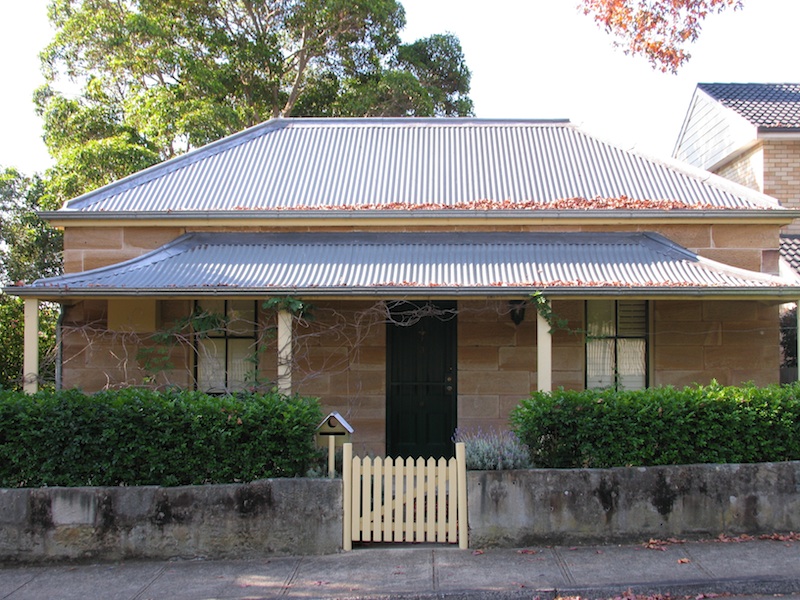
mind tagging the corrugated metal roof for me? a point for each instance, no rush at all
(339, 164)
(767, 105)
(406, 264)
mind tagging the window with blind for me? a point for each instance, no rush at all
(616, 344)
(225, 355)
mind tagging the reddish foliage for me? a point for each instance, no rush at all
(619, 203)
(656, 29)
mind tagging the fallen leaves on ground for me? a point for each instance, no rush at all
(655, 544)
(781, 537)
(629, 595)
(737, 539)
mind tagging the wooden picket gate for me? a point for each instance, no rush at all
(397, 500)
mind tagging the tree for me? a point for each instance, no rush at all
(160, 77)
(659, 30)
(29, 248)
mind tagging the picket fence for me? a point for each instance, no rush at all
(405, 500)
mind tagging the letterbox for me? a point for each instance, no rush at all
(332, 433)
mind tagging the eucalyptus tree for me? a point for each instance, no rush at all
(159, 77)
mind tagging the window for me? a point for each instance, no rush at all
(616, 344)
(225, 355)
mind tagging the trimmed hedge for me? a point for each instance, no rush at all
(142, 437)
(660, 426)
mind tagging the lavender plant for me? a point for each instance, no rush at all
(493, 450)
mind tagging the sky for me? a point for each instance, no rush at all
(530, 59)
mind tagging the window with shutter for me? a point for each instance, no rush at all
(616, 344)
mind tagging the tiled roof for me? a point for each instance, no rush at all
(790, 250)
(406, 164)
(405, 264)
(767, 105)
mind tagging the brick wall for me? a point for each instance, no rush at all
(746, 169)
(782, 174)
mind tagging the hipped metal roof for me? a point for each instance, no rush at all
(408, 264)
(315, 165)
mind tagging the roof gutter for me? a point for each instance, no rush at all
(440, 216)
(787, 293)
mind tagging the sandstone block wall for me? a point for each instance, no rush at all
(304, 516)
(263, 518)
(340, 357)
(565, 506)
(734, 342)
(737, 245)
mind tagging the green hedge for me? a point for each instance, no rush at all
(659, 426)
(141, 437)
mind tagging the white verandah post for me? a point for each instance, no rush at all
(544, 354)
(285, 351)
(30, 360)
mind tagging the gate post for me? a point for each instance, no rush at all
(463, 518)
(347, 496)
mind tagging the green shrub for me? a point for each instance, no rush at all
(493, 450)
(139, 437)
(658, 426)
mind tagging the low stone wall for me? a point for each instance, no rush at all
(269, 517)
(554, 506)
(304, 516)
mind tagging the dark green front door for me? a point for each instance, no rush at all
(421, 380)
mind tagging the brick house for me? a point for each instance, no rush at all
(749, 133)
(389, 267)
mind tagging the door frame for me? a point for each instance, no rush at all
(451, 344)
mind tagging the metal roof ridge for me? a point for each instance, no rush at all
(405, 121)
(700, 175)
(707, 177)
(177, 162)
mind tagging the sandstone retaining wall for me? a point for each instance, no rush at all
(268, 517)
(557, 506)
(304, 516)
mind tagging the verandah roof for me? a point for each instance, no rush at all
(415, 264)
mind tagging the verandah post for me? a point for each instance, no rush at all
(285, 351)
(30, 360)
(544, 355)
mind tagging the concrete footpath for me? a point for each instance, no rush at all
(750, 568)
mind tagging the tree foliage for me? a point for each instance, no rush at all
(29, 248)
(160, 77)
(659, 30)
